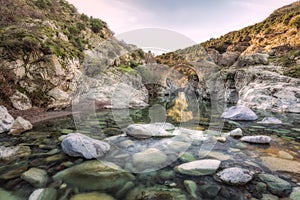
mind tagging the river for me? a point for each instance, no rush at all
(280, 158)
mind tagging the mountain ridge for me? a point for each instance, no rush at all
(274, 40)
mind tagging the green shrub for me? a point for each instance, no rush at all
(43, 3)
(126, 69)
(96, 25)
(293, 72)
(73, 30)
(80, 26)
(295, 22)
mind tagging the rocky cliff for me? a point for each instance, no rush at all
(258, 66)
(45, 45)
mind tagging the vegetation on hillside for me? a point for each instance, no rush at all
(46, 26)
(31, 31)
(278, 35)
(284, 21)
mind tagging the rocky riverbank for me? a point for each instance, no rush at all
(161, 161)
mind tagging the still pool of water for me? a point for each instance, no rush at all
(281, 158)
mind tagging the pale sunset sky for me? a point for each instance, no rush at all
(198, 20)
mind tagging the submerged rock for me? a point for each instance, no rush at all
(258, 139)
(157, 192)
(276, 185)
(191, 187)
(270, 120)
(36, 177)
(6, 120)
(239, 112)
(13, 153)
(210, 191)
(219, 155)
(43, 194)
(150, 130)
(285, 155)
(295, 195)
(149, 159)
(199, 167)
(19, 126)
(279, 164)
(79, 145)
(95, 175)
(269, 197)
(5, 195)
(235, 176)
(92, 196)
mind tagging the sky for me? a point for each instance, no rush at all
(198, 20)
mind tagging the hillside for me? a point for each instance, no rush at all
(280, 29)
(43, 44)
(278, 36)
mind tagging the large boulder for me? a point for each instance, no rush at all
(19, 126)
(239, 113)
(6, 120)
(95, 175)
(199, 167)
(79, 145)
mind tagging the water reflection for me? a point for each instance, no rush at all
(179, 111)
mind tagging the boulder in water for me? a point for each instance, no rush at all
(239, 112)
(258, 139)
(79, 145)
